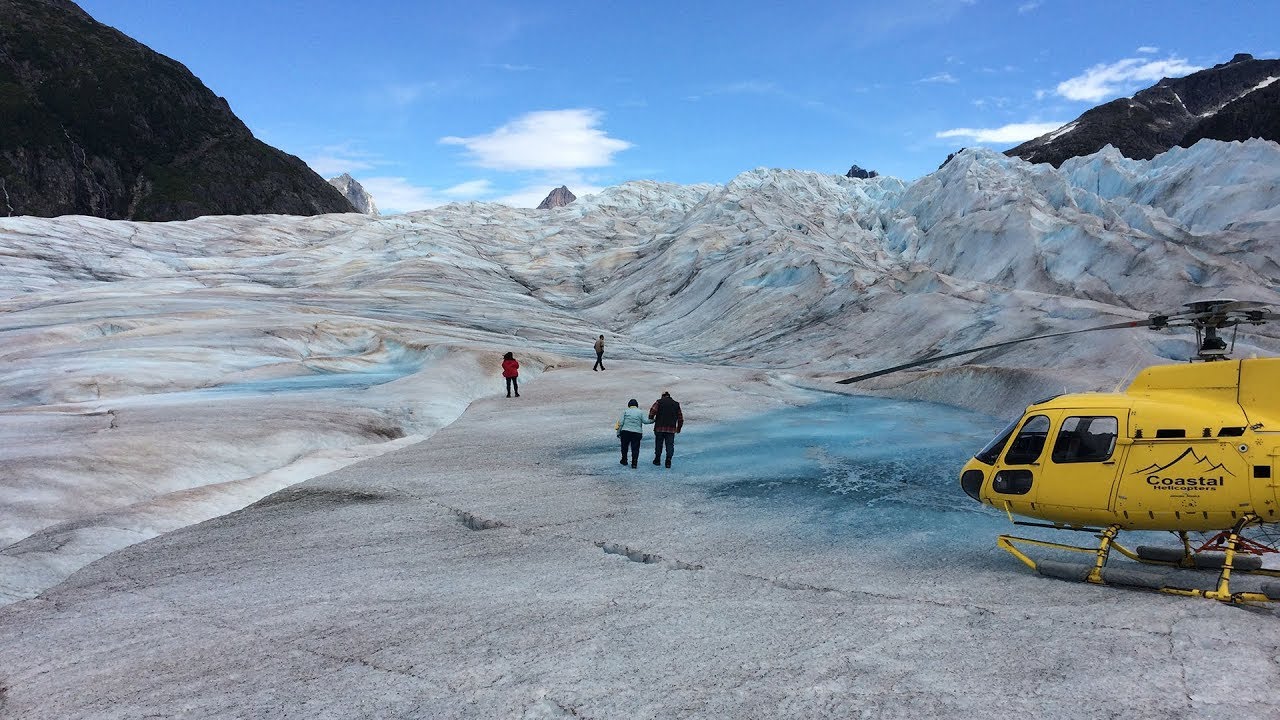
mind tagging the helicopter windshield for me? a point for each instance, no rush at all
(989, 453)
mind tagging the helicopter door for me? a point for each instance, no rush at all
(1014, 485)
(1077, 481)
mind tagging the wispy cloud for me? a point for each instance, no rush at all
(880, 21)
(747, 87)
(398, 194)
(943, 77)
(532, 194)
(546, 140)
(470, 190)
(1027, 7)
(1121, 77)
(333, 160)
(1012, 133)
(395, 194)
(402, 95)
(1148, 50)
(510, 67)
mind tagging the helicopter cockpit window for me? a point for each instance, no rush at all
(1027, 446)
(1085, 439)
(989, 453)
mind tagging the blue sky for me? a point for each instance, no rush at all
(431, 102)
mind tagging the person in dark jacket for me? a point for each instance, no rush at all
(511, 371)
(667, 421)
(599, 354)
(631, 430)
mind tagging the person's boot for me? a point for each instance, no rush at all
(633, 464)
(657, 460)
(623, 461)
(668, 462)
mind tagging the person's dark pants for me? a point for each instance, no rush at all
(513, 383)
(599, 361)
(659, 440)
(630, 440)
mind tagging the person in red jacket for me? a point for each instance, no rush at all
(667, 421)
(511, 371)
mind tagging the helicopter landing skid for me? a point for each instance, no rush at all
(1099, 574)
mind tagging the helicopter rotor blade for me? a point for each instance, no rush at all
(1155, 321)
(1223, 317)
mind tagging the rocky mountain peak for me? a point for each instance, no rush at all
(558, 198)
(355, 194)
(1235, 100)
(857, 172)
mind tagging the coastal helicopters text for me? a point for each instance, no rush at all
(1185, 448)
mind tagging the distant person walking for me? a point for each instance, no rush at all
(631, 430)
(511, 371)
(599, 354)
(667, 421)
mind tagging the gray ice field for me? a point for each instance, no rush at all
(809, 555)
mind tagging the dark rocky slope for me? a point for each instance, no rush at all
(93, 122)
(1223, 102)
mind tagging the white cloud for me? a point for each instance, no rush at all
(1103, 81)
(1012, 133)
(397, 194)
(1027, 7)
(470, 190)
(546, 140)
(1147, 49)
(943, 77)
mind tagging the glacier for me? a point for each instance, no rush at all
(159, 379)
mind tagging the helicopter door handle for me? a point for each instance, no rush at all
(1108, 462)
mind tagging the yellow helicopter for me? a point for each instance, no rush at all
(1185, 448)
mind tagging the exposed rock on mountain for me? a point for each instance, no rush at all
(1235, 100)
(355, 194)
(1253, 115)
(94, 123)
(857, 172)
(950, 157)
(557, 198)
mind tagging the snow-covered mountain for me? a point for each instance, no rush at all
(156, 374)
(1235, 100)
(355, 194)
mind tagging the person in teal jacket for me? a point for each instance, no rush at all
(631, 430)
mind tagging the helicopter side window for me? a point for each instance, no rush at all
(1085, 439)
(1027, 446)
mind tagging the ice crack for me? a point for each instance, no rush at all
(644, 557)
(475, 522)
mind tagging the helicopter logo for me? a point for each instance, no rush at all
(1098, 462)
(1195, 477)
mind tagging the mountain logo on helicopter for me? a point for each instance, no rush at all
(1194, 476)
